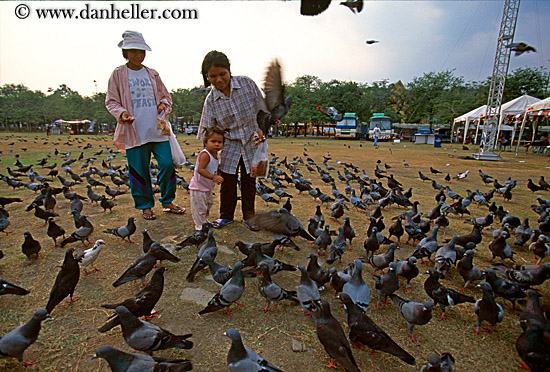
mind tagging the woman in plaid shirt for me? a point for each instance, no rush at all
(232, 105)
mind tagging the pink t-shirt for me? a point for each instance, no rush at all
(200, 183)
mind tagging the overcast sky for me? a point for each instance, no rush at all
(415, 37)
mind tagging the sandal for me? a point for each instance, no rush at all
(176, 209)
(149, 216)
(221, 222)
(250, 225)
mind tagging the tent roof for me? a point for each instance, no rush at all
(540, 105)
(473, 115)
(518, 105)
(515, 106)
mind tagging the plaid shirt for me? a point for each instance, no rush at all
(236, 115)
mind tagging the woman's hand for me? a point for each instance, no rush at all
(161, 108)
(126, 118)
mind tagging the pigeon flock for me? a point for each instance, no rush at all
(421, 253)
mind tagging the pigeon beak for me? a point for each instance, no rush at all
(95, 356)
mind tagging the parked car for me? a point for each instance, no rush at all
(193, 129)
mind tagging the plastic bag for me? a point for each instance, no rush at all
(260, 161)
(178, 158)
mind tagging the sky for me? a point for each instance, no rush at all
(415, 37)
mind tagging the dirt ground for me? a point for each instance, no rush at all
(68, 342)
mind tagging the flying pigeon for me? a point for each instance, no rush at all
(275, 100)
(520, 48)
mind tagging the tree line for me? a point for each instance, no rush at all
(433, 98)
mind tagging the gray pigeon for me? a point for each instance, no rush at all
(271, 291)
(147, 337)
(242, 359)
(387, 283)
(334, 340)
(229, 293)
(125, 231)
(356, 288)
(446, 257)
(308, 292)
(14, 343)
(439, 363)
(338, 247)
(383, 260)
(281, 222)
(487, 309)
(467, 270)
(275, 100)
(414, 313)
(119, 361)
(144, 264)
(208, 250)
(407, 269)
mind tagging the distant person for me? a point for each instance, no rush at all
(205, 177)
(376, 134)
(48, 130)
(232, 104)
(135, 97)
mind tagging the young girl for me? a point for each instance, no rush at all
(206, 176)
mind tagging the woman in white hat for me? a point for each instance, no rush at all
(135, 97)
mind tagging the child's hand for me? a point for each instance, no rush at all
(217, 179)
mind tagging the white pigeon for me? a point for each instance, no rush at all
(460, 176)
(88, 257)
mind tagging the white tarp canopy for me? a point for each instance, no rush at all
(518, 105)
(475, 114)
(472, 115)
(540, 105)
(531, 109)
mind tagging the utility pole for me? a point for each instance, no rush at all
(492, 118)
(95, 82)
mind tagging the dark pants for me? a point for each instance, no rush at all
(228, 193)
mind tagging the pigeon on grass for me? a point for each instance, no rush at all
(142, 303)
(125, 231)
(65, 282)
(144, 336)
(119, 361)
(144, 264)
(364, 331)
(229, 293)
(14, 343)
(242, 359)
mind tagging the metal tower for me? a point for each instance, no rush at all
(491, 127)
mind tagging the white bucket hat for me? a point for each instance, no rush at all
(133, 40)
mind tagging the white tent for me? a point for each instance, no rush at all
(540, 105)
(516, 106)
(475, 114)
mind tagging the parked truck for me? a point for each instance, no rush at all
(384, 123)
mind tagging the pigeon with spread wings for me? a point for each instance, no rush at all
(275, 99)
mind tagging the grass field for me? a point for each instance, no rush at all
(68, 342)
